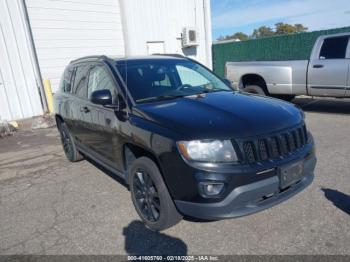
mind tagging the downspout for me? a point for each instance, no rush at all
(208, 36)
(125, 27)
(33, 54)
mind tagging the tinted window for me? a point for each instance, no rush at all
(99, 79)
(163, 82)
(80, 81)
(65, 84)
(334, 48)
(174, 77)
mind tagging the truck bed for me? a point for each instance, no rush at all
(281, 77)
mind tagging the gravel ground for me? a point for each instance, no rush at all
(51, 206)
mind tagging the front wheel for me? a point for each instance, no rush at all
(150, 196)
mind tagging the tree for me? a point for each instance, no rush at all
(282, 28)
(239, 35)
(263, 31)
(300, 28)
(266, 31)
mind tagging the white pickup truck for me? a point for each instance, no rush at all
(326, 73)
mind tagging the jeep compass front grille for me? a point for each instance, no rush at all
(274, 146)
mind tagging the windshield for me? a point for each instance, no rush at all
(149, 80)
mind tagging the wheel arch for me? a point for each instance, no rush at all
(131, 152)
(253, 79)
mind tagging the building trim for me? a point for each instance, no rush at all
(33, 54)
(124, 27)
(208, 37)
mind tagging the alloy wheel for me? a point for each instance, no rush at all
(66, 142)
(146, 195)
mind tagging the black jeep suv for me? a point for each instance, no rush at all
(183, 140)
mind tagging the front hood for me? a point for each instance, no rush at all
(222, 115)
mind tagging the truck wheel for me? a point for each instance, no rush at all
(68, 144)
(254, 89)
(150, 196)
(285, 97)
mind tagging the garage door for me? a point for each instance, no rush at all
(66, 30)
(19, 95)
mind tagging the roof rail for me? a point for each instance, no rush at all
(172, 55)
(89, 57)
(179, 56)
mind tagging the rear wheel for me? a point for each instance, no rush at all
(68, 144)
(150, 196)
(255, 89)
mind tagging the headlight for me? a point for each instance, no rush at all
(208, 150)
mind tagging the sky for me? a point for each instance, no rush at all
(231, 16)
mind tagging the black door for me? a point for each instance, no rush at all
(104, 128)
(79, 114)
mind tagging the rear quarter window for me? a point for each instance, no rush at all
(65, 83)
(80, 81)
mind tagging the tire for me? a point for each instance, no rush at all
(68, 144)
(285, 97)
(150, 195)
(254, 89)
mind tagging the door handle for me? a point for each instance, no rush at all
(318, 66)
(85, 109)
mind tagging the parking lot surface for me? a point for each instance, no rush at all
(51, 206)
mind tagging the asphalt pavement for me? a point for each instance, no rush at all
(51, 206)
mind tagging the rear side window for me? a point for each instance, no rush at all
(334, 48)
(80, 81)
(65, 84)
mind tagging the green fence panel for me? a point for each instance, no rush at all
(286, 47)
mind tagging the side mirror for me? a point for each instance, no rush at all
(104, 97)
(101, 97)
(227, 82)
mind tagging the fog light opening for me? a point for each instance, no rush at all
(211, 189)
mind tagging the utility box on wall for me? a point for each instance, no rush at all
(189, 37)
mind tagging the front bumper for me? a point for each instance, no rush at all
(249, 198)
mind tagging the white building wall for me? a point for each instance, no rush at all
(19, 94)
(158, 21)
(65, 30)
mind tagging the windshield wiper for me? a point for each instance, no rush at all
(169, 97)
(214, 90)
(158, 98)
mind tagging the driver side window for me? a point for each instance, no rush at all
(99, 79)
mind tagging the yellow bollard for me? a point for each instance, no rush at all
(14, 124)
(48, 94)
